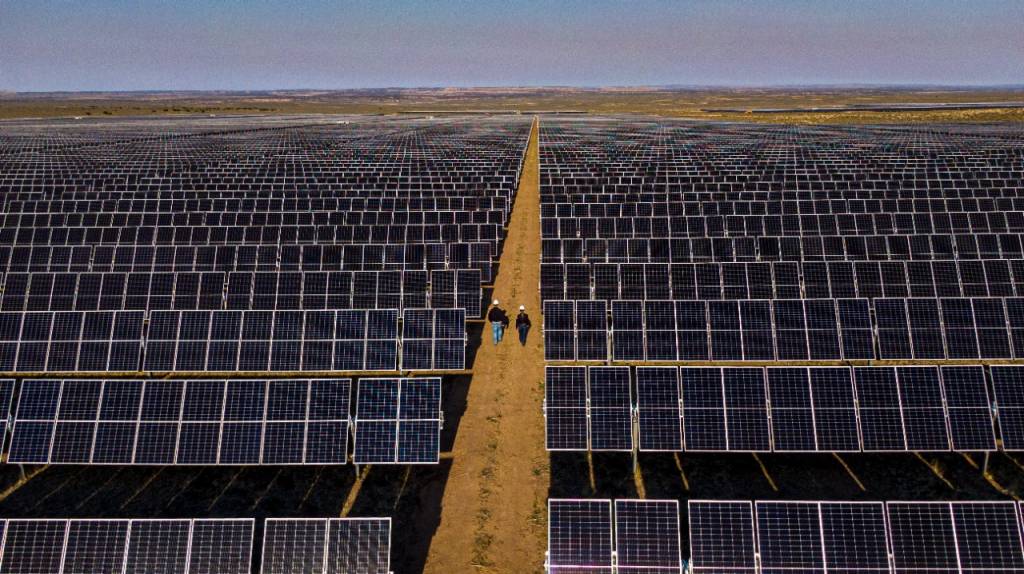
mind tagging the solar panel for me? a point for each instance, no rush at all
(647, 536)
(722, 537)
(923, 412)
(182, 422)
(559, 331)
(398, 421)
(327, 546)
(746, 409)
(835, 409)
(968, 408)
(854, 537)
(580, 536)
(881, 420)
(792, 413)
(988, 536)
(627, 331)
(433, 339)
(565, 408)
(592, 331)
(221, 546)
(922, 536)
(1008, 392)
(703, 398)
(658, 409)
(789, 537)
(610, 413)
(6, 397)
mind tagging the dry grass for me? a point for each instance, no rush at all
(684, 103)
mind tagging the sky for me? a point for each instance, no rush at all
(88, 45)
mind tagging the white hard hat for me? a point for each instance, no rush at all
(495, 302)
(522, 307)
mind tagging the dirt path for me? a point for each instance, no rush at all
(494, 509)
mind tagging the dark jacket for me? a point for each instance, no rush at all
(497, 315)
(523, 319)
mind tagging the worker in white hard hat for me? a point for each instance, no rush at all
(499, 320)
(522, 324)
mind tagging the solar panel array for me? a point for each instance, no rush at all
(195, 546)
(784, 280)
(126, 546)
(276, 247)
(224, 422)
(669, 242)
(203, 422)
(398, 421)
(240, 341)
(953, 537)
(783, 409)
(262, 290)
(784, 329)
(587, 536)
(327, 546)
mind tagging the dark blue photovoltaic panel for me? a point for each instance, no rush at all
(647, 536)
(922, 536)
(703, 409)
(924, 418)
(854, 537)
(559, 331)
(835, 409)
(658, 408)
(789, 536)
(1008, 393)
(881, 422)
(611, 424)
(565, 408)
(398, 421)
(580, 536)
(792, 420)
(988, 535)
(323, 545)
(627, 331)
(746, 409)
(722, 537)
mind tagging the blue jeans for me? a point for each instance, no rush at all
(523, 330)
(497, 329)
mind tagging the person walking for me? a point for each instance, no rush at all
(522, 324)
(499, 320)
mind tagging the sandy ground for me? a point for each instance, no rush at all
(493, 514)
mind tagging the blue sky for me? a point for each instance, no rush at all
(263, 44)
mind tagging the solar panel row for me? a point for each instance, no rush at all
(127, 546)
(489, 233)
(218, 422)
(783, 409)
(767, 249)
(783, 280)
(327, 546)
(360, 207)
(586, 536)
(772, 537)
(687, 203)
(195, 546)
(313, 290)
(814, 224)
(227, 258)
(46, 213)
(785, 329)
(246, 341)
